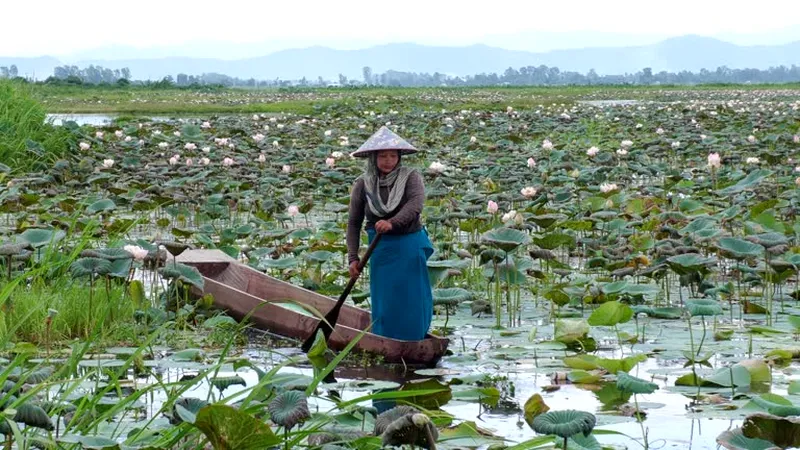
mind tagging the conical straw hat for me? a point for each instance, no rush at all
(384, 139)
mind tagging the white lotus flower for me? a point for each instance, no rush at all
(473, 140)
(98, 135)
(608, 187)
(626, 144)
(258, 137)
(752, 160)
(528, 192)
(622, 152)
(206, 125)
(163, 145)
(592, 151)
(714, 161)
(437, 167)
(227, 162)
(751, 139)
(108, 163)
(190, 146)
(118, 133)
(676, 144)
(205, 161)
(85, 146)
(262, 158)
(659, 130)
(547, 145)
(286, 168)
(176, 133)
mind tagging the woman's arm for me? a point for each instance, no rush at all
(355, 220)
(415, 199)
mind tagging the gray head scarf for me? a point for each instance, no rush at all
(396, 182)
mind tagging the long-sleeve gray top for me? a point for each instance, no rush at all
(405, 219)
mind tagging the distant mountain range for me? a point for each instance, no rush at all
(691, 53)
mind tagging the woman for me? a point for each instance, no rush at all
(390, 197)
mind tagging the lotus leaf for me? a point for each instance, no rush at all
(289, 408)
(736, 440)
(783, 432)
(506, 239)
(565, 423)
(703, 307)
(228, 428)
(629, 383)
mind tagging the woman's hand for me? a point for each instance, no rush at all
(354, 272)
(383, 226)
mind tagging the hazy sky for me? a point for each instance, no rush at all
(58, 27)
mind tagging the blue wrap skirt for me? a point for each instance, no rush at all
(400, 289)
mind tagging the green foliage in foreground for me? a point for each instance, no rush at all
(25, 137)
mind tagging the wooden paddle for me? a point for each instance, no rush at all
(329, 322)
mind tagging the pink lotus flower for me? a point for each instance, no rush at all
(262, 158)
(190, 146)
(206, 125)
(227, 162)
(189, 161)
(531, 163)
(528, 192)
(98, 135)
(330, 162)
(797, 181)
(139, 253)
(176, 134)
(173, 161)
(547, 145)
(492, 207)
(592, 151)
(796, 139)
(293, 210)
(258, 137)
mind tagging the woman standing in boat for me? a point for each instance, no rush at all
(390, 196)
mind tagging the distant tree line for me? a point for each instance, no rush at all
(552, 76)
(524, 76)
(9, 72)
(89, 75)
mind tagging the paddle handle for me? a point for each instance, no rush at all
(333, 315)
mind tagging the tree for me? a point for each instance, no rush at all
(12, 71)
(3, 72)
(367, 73)
(342, 80)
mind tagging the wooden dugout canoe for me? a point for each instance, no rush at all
(239, 290)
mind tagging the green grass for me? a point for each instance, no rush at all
(27, 310)
(25, 138)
